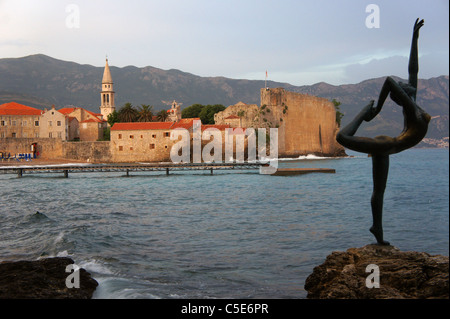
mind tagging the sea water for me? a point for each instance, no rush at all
(227, 235)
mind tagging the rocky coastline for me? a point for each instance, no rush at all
(44, 279)
(380, 272)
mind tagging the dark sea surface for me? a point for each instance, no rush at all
(228, 235)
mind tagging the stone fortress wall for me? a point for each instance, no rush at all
(306, 124)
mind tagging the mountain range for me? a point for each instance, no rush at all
(41, 81)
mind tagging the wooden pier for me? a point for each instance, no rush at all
(127, 168)
(159, 167)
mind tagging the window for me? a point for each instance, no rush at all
(131, 137)
(142, 136)
(2, 134)
(120, 148)
(58, 123)
(50, 135)
(119, 136)
(166, 134)
(13, 123)
(154, 135)
(131, 148)
(165, 146)
(3, 123)
(152, 146)
(59, 135)
(24, 123)
(49, 123)
(13, 134)
(36, 135)
(36, 123)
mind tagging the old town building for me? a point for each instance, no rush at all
(19, 121)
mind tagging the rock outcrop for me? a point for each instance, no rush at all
(401, 275)
(43, 279)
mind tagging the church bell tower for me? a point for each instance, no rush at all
(107, 94)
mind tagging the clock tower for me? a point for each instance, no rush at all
(107, 94)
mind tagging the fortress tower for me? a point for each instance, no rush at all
(107, 94)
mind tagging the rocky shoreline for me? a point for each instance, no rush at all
(44, 279)
(400, 275)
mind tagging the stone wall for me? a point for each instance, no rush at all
(93, 152)
(54, 148)
(306, 124)
(309, 122)
(46, 147)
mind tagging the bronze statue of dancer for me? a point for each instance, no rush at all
(415, 127)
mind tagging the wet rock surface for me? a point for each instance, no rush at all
(401, 275)
(44, 279)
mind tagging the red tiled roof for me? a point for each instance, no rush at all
(90, 121)
(220, 127)
(66, 110)
(187, 120)
(13, 108)
(138, 126)
(185, 123)
(232, 116)
(237, 131)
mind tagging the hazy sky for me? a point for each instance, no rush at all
(299, 42)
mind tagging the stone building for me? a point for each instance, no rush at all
(306, 124)
(141, 141)
(233, 121)
(55, 124)
(91, 125)
(19, 121)
(151, 141)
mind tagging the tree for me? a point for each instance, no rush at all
(207, 113)
(127, 113)
(162, 115)
(145, 113)
(113, 118)
(192, 111)
(339, 115)
(204, 112)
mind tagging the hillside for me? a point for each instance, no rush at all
(41, 81)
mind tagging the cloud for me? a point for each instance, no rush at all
(395, 65)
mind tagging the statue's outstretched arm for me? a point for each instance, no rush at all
(413, 67)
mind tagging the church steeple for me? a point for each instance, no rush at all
(107, 94)
(107, 74)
